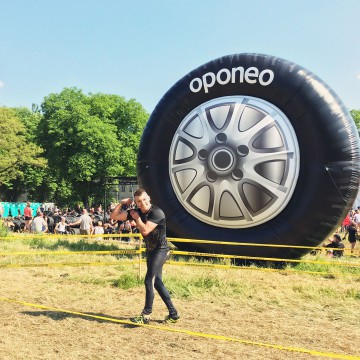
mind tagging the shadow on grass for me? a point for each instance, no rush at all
(59, 315)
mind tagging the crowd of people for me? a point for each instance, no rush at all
(61, 221)
(350, 227)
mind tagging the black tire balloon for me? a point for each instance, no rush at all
(251, 148)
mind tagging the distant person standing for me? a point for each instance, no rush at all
(85, 223)
(347, 221)
(1, 210)
(352, 232)
(357, 219)
(42, 208)
(78, 209)
(28, 217)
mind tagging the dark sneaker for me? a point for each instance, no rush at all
(141, 319)
(172, 319)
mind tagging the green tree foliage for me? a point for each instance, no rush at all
(33, 178)
(19, 155)
(89, 137)
(356, 116)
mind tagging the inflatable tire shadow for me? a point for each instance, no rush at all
(250, 148)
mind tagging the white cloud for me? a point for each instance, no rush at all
(2, 84)
(358, 76)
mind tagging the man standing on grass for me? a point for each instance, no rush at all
(85, 222)
(151, 222)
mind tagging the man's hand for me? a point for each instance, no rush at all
(119, 213)
(126, 202)
(134, 214)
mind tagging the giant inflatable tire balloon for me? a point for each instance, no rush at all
(251, 148)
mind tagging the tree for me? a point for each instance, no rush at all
(35, 179)
(87, 138)
(17, 149)
(356, 116)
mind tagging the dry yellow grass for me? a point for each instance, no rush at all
(293, 310)
(287, 310)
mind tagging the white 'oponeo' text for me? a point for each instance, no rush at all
(251, 75)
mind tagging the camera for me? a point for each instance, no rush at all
(132, 206)
(129, 207)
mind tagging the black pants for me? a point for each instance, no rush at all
(153, 279)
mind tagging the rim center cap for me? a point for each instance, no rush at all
(222, 159)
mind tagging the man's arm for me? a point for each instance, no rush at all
(145, 229)
(46, 226)
(118, 213)
(346, 232)
(74, 223)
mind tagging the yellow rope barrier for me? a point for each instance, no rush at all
(76, 264)
(189, 332)
(95, 252)
(171, 239)
(221, 266)
(175, 252)
(240, 244)
(27, 236)
(174, 240)
(225, 256)
(176, 263)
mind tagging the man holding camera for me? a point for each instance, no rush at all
(151, 222)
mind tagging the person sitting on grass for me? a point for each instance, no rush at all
(98, 229)
(39, 225)
(335, 247)
(60, 227)
(8, 223)
(125, 228)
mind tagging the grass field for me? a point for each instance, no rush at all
(259, 313)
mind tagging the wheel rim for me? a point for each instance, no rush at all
(234, 162)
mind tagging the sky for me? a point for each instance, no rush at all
(140, 48)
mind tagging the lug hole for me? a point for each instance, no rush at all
(221, 138)
(202, 154)
(237, 174)
(211, 176)
(242, 150)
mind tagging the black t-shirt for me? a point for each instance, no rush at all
(352, 233)
(157, 238)
(57, 219)
(337, 245)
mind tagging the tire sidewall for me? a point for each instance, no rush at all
(317, 116)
